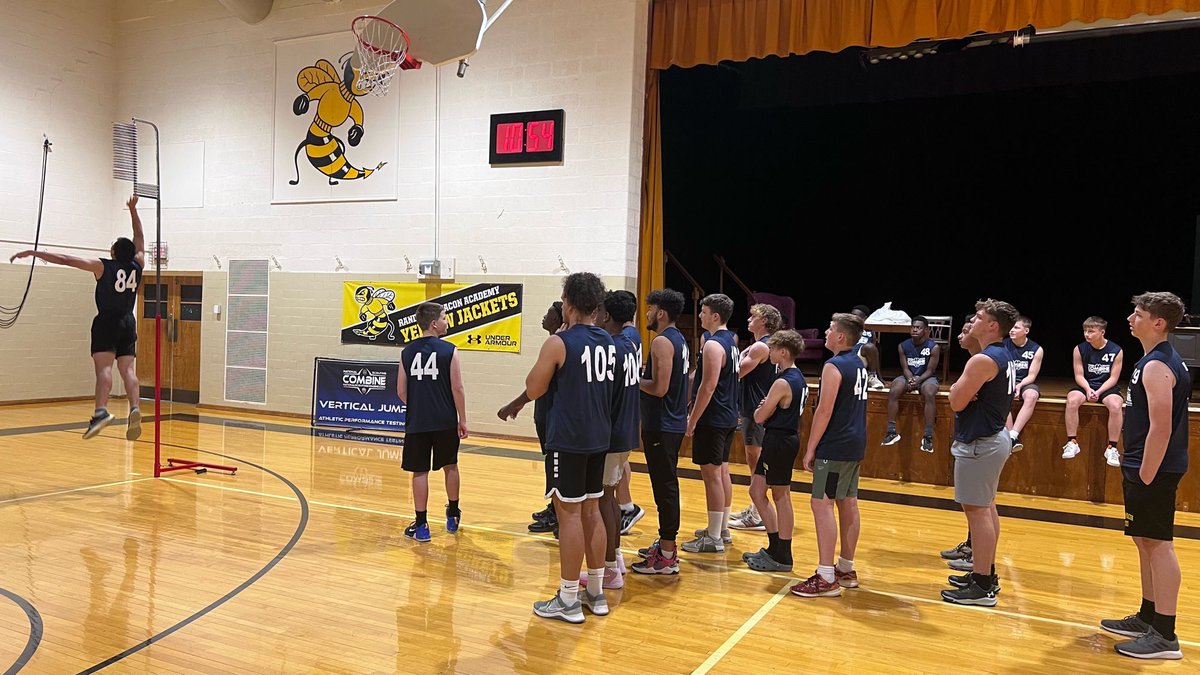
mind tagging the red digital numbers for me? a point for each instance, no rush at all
(541, 136)
(510, 138)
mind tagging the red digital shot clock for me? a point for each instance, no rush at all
(526, 138)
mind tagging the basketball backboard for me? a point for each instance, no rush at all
(442, 31)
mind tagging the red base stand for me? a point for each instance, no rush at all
(188, 465)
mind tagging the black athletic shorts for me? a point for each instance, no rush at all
(420, 446)
(117, 334)
(1115, 391)
(779, 451)
(574, 476)
(711, 445)
(1150, 509)
(1033, 385)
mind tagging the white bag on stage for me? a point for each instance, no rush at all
(887, 315)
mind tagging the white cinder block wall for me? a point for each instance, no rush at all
(58, 72)
(205, 76)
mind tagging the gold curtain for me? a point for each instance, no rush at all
(693, 32)
(651, 259)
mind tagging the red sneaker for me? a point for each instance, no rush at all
(657, 563)
(816, 587)
(846, 579)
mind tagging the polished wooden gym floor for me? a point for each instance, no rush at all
(298, 564)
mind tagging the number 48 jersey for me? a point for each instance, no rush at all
(430, 405)
(116, 289)
(581, 419)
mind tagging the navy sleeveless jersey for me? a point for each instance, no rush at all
(541, 407)
(722, 410)
(845, 438)
(867, 336)
(581, 419)
(668, 413)
(116, 289)
(430, 404)
(788, 419)
(1098, 363)
(917, 357)
(1137, 413)
(985, 415)
(1022, 356)
(757, 382)
(635, 337)
(625, 396)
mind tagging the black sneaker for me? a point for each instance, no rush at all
(927, 444)
(972, 594)
(628, 520)
(545, 513)
(543, 525)
(1151, 645)
(891, 438)
(97, 423)
(964, 580)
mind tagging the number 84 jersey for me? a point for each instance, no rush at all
(116, 289)
(581, 418)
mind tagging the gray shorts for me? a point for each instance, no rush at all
(977, 467)
(752, 432)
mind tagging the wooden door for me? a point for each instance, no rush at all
(181, 305)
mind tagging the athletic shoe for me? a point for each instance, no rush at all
(704, 544)
(1017, 445)
(628, 520)
(1070, 450)
(846, 579)
(555, 608)
(1151, 645)
(963, 550)
(645, 552)
(927, 444)
(418, 532)
(1112, 457)
(452, 522)
(546, 513)
(546, 525)
(1131, 626)
(892, 438)
(134, 430)
(964, 580)
(612, 578)
(97, 423)
(747, 522)
(962, 565)
(816, 587)
(765, 563)
(657, 563)
(873, 382)
(597, 605)
(726, 537)
(972, 594)
(742, 513)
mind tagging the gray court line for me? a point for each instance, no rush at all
(35, 631)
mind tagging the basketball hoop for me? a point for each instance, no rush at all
(381, 48)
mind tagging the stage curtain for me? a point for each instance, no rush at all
(694, 32)
(651, 259)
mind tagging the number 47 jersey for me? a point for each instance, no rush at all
(430, 405)
(581, 418)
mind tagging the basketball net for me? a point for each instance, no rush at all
(382, 49)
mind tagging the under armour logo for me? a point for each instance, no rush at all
(474, 339)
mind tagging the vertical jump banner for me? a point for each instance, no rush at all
(356, 395)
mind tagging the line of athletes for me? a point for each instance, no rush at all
(600, 398)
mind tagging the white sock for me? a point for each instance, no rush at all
(595, 585)
(620, 559)
(568, 590)
(826, 572)
(611, 565)
(627, 508)
(728, 514)
(715, 523)
(844, 565)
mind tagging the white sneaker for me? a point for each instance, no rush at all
(1070, 450)
(1112, 457)
(748, 522)
(873, 382)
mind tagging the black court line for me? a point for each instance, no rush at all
(881, 496)
(35, 631)
(300, 527)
